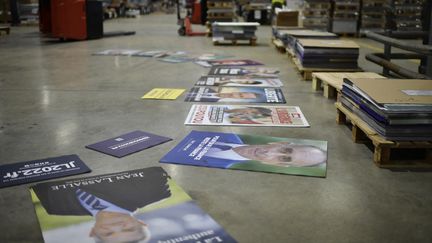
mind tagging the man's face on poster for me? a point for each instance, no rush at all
(245, 81)
(283, 154)
(247, 111)
(118, 227)
(232, 63)
(238, 95)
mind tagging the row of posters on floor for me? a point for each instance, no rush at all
(200, 148)
(222, 92)
(146, 205)
(243, 84)
(162, 55)
(205, 59)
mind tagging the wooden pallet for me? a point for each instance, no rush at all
(5, 29)
(279, 45)
(220, 5)
(332, 82)
(307, 72)
(209, 31)
(290, 52)
(418, 153)
(315, 12)
(217, 15)
(348, 35)
(345, 15)
(251, 42)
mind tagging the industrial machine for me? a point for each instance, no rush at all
(73, 19)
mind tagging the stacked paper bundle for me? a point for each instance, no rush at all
(327, 53)
(289, 36)
(234, 30)
(398, 109)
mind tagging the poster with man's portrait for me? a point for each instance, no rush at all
(143, 205)
(238, 81)
(233, 62)
(251, 71)
(251, 152)
(235, 94)
(117, 52)
(246, 115)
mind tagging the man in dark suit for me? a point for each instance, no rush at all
(231, 150)
(110, 199)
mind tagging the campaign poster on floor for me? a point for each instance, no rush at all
(245, 71)
(171, 53)
(211, 56)
(238, 81)
(232, 62)
(41, 169)
(246, 115)
(235, 94)
(163, 94)
(175, 59)
(153, 53)
(251, 152)
(128, 143)
(117, 52)
(143, 205)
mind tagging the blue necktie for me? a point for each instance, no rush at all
(90, 200)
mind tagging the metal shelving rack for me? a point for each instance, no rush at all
(406, 15)
(316, 14)
(220, 11)
(373, 15)
(345, 16)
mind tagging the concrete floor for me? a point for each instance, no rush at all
(55, 98)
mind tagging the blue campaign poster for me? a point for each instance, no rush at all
(250, 152)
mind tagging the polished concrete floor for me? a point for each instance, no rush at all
(55, 98)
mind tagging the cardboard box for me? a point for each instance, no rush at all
(287, 18)
(396, 91)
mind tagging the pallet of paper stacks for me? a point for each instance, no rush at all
(325, 55)
(234, 33)
(331, 82)
(220, 11)
(278, 36)
(394, 114)
(289, 37)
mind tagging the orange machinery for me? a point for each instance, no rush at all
(193, 16)
(71, 19)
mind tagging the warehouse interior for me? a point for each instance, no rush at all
(56, 97)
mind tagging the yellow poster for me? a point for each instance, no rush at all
(163, 94)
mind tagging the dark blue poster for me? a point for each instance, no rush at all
(42, 169)
(128, 143)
